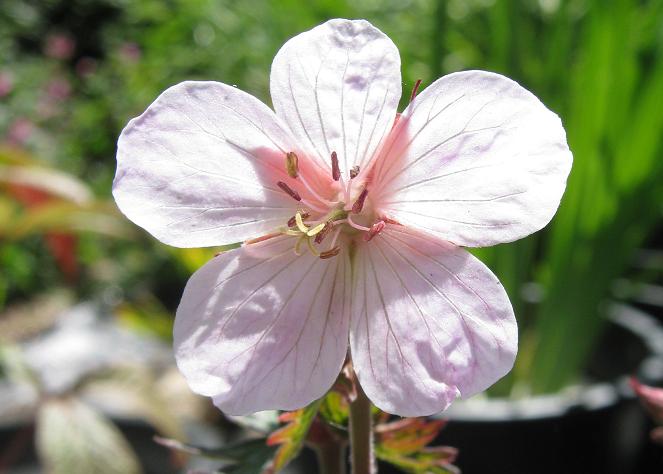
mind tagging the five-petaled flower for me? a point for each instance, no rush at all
(352, 219)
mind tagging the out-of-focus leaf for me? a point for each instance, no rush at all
(45, 180)
(28, 319)
(263, 421)
(194, 258)
(133, 392)
(148, 316)
(252, 456)
(407, 435)
(60, 216)
(71, 437)
(292, 436)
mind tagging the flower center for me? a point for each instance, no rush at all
(322, 225)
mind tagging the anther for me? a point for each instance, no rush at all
(289, 191)
(415, 89)
(359, 203)
(375, 230)
(336, 171)
(316, 230)
(354, 172)
(330, 253)
(324, 232)
(292, 222)
(292, 164)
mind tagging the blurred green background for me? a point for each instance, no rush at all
(73, 72)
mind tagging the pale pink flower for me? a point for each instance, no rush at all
(360, 222)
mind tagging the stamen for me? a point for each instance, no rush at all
(354, 172)
(313, 250)
(292, 164)
(330, 253)
(298, 245)
(375, 230)
(359, 203)
(415, 89)
(292, 221)
(328, 226)
(300, 223)
(357, 226)
(262, 238)
(289, 191)
(335, 237)
(316, 230)
(336, 171)
(312, 191)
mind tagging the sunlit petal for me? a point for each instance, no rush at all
(261, 328)
(200, 167)
(429, 322)
(337, 86)
(476, 159)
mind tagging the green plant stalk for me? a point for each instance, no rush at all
(362, 452)
(331, 458)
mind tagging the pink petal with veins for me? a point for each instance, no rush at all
(429, 322)
(261, 328)
(200, 167)
(337, 86)
(475, 159)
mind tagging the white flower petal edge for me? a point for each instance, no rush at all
(429, 322)
(476, 159)
(261, 328)
(337, 86)
(199, 167)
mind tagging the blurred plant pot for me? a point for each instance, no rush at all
(594, 428)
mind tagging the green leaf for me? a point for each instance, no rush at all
(292, 436)
(403, 444)
(252, 456)
(72, 437)
(334, 408)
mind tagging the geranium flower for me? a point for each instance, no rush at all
(352, 219)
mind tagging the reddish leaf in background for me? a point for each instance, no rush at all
(62, 245)
(652, 399)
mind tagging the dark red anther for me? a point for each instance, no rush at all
(324, 232)
(292, 222)
(289, 191)
(336, 171)
(415, 89)
(375, 230)
(354, 172)
(330, 253)
(359, 203)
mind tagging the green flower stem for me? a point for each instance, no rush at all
(362, 454)
(331, 457)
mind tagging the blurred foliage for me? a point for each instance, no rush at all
(73, 72)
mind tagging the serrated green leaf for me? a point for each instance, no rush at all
(73, 438)
(292, 436)
(435, 460)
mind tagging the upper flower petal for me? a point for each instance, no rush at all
(261, 328)
(199, 167)
(337, 86)
(429, 321)
(476, 159)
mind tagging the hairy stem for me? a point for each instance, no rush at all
(361, 435)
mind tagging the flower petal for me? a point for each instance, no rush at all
(337, 86)
(476, 159)
(199, 167)
(261, 328)
(429, 321)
